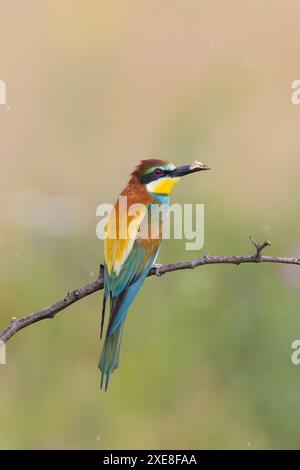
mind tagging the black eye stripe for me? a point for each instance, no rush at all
(158, 172)
(145, 179)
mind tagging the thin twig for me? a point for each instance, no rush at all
(157, 270)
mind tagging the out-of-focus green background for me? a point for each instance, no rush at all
(92, 87)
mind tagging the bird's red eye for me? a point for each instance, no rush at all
(158, 172)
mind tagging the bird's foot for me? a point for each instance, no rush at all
(156, 268)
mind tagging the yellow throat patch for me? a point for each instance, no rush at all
(162, 186)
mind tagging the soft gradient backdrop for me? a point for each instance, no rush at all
(92, 87)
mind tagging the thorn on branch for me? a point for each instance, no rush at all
(259, 246)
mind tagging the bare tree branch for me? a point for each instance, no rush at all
(157, 270)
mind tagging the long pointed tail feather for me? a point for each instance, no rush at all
(110, 355)
(119, 305)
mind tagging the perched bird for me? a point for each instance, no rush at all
(130, 256)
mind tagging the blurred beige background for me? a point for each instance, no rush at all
(92, 87)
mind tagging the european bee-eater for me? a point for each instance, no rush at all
(129, 258)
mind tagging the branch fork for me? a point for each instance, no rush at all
(259, 247)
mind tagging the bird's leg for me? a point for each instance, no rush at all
(103, 316)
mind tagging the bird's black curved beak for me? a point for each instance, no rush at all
(187, 169)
